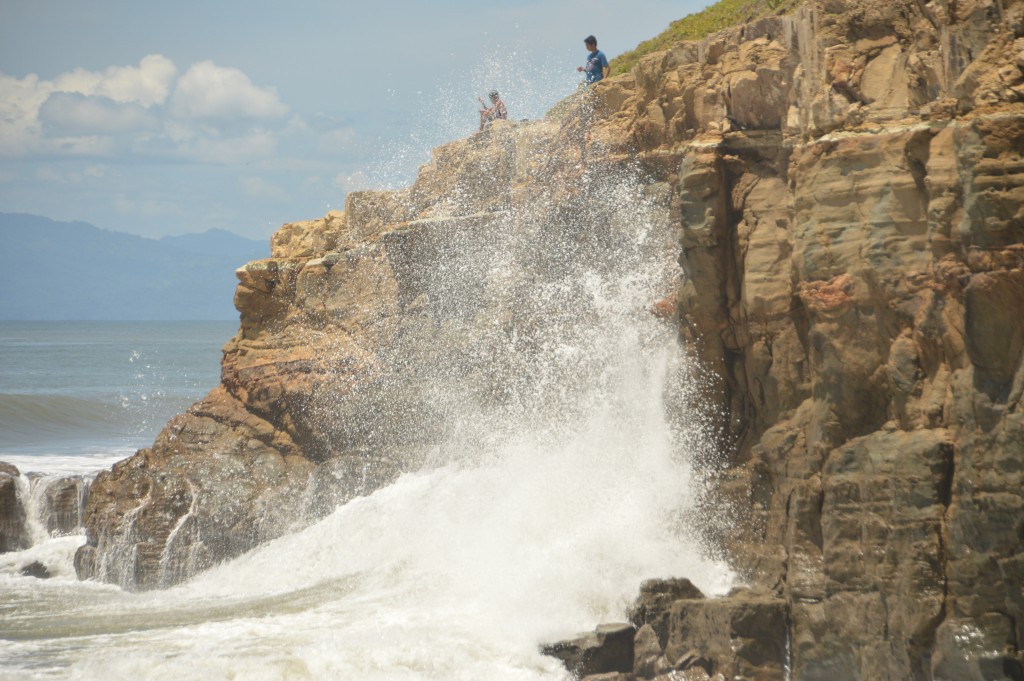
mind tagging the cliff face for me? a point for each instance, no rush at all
(851, 203)
(847, 190)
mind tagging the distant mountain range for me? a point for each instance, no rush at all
(74, 270)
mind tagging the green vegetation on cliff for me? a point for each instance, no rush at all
(722, 14)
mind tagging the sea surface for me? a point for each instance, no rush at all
(75, 397)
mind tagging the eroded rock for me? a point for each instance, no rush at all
(14, 533)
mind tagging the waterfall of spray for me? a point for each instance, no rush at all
(53, 504)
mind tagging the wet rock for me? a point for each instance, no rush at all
(35, 569)
(979, 648)
(698, 674)
(693, 661)
(14, 534)
(854, 283)
(653, 605)
(63, 501)
(607, 649)
(741, 635)
(648, 657)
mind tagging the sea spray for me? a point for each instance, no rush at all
(529, 88)
(544, 416)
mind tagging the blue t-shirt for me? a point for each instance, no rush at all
(596, 64)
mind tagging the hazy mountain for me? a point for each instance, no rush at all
(74, 270)
(218, 242)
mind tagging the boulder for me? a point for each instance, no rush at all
(14, 533)
(648, 657)
(63, 499)
(35, 569)
(745, 634)
(654, 604)
(607, 649)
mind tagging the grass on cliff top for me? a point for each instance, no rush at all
(722, 14)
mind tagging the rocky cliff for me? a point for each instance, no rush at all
(846, 191)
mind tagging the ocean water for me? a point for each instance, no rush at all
(76, 397)
(536, 520)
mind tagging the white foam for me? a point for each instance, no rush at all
(84, 460)
(56, 553)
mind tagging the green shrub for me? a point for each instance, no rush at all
(722, 14)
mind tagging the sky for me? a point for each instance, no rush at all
(169, 118)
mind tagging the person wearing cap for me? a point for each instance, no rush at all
(596, 67)
(496, 111)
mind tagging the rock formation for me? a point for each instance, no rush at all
(14, 532)
(852, 203)
(33, 506)
(847, 185)
(353, 335)
(62, 500)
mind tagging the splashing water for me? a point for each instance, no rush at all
(529, 89)
(558, 429)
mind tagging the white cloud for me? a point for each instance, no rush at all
(68, 113)
(20, 99)
(258, 188)
(239, 148)
(211, 92)
(87, 145)
(50, 175)
(147, 84)
(208, 114)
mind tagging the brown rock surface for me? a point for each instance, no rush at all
(848, 186)
(606, 650)
(855, 271)
(62, 501)
(654, 604)
(743, 635)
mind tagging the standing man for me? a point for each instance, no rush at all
(597, 64)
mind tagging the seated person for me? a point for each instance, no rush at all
(496, 111)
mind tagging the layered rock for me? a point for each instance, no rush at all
(852, 203)
(848, 188)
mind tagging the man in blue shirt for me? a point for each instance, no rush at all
(597, 64)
